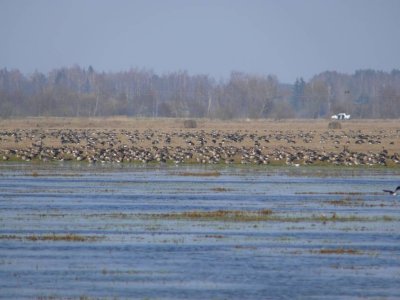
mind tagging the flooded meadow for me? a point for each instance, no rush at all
(132, 231)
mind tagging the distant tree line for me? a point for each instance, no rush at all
(83, 92)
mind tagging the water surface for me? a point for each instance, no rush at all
(100, 232)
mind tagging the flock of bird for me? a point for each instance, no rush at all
(193, 146)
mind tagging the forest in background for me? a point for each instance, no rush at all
(84, 92)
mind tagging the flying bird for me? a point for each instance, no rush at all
(394, 193)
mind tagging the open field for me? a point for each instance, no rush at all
(120, 139)
(206, 124)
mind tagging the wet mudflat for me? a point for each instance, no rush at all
(193, 232)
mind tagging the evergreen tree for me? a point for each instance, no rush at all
(297, 100)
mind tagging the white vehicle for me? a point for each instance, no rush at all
(341, 116)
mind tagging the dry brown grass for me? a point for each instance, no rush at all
(205, 124)
(263, 215)
(63, 237)
(91, 123)
(335, 125)
(220, 215)
(69, 237)
(338, 251)
(220, 189)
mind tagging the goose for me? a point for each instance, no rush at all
(394, 193)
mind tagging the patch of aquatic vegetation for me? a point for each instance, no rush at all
(218, 215)
(56, 297)
(201, 174)
(337, 251)
(113, 215)
(354, 202)
(52, 237)
(245, 247)
(220, 189)
(37, 174)
(120, 272)
(337, 193)
(214, 236)
(264, 215)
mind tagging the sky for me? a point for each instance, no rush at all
(286, 38)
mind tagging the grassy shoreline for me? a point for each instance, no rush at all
(217, 166)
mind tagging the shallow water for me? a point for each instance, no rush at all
(129, 250)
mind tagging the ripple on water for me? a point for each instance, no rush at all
(102, 231)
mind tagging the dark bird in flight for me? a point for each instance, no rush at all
(394, 193)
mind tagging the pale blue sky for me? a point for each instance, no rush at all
(287, 38)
